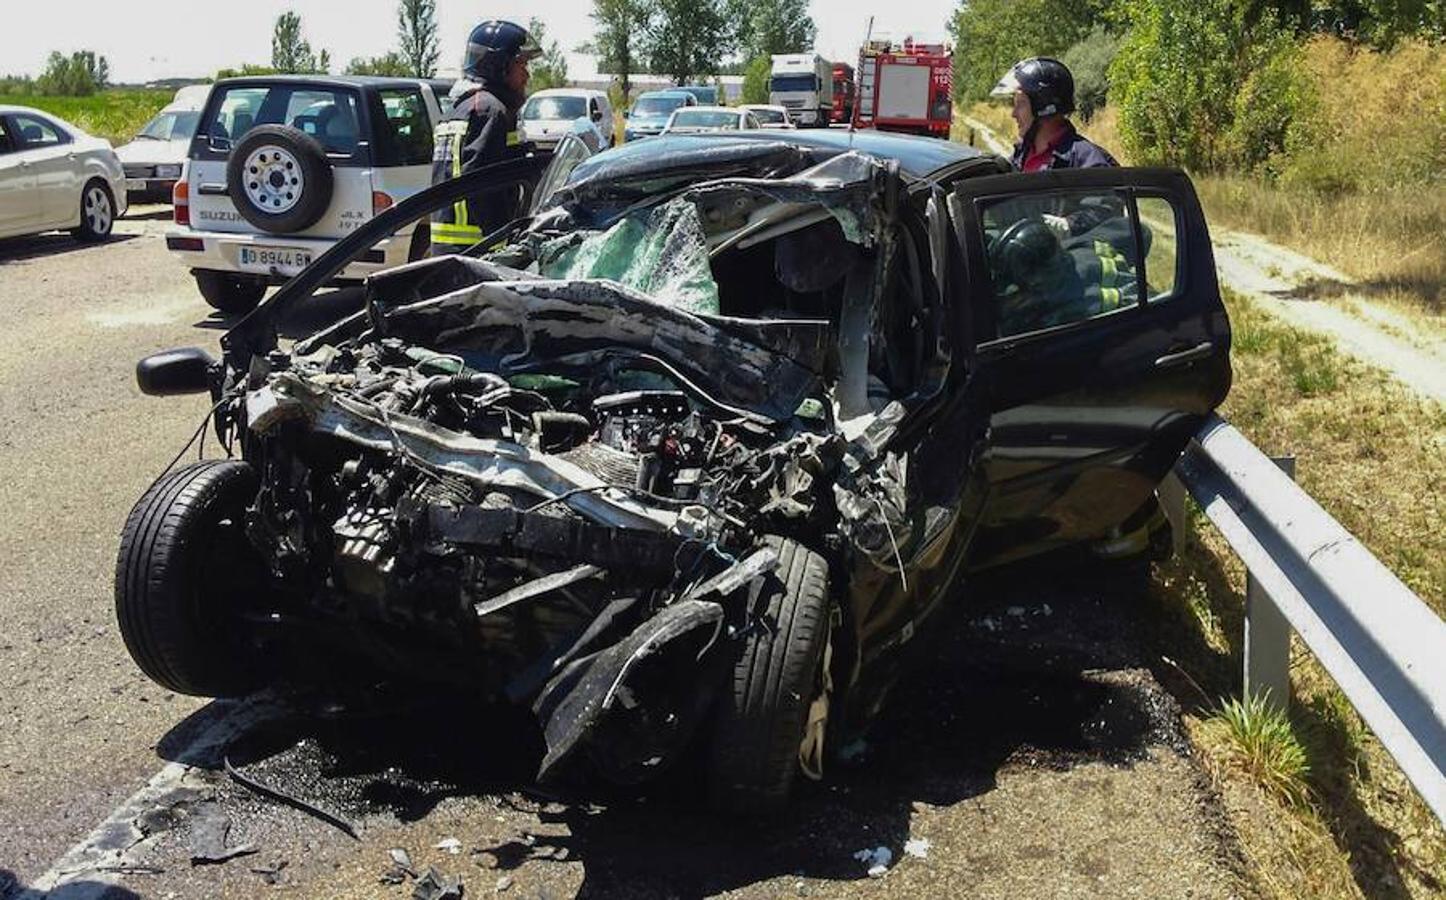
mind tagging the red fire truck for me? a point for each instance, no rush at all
(843, 93)
(905, 87)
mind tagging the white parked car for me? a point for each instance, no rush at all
(698, 119)
(53, 175)
(550, 114)
(770, 116)
(153, 160)
(283, 166)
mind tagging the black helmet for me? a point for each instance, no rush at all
(493, 45)
(1021, 255)
(1047, 82)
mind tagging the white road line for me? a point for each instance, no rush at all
(91, 867)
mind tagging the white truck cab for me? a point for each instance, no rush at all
(281, 167)
(802, 83)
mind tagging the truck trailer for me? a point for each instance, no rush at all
(905, 87)
(802, 83)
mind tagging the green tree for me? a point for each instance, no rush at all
(550, 69)
(765, 27)
(688, 38)
(80, 74)
(1185, 75)
(1089, 63)
(290, 52)
(618, 40)
(755, 80)
(991, 35)
(245, 69)
(389, 64)
(417, 36)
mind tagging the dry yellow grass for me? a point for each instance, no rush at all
(1372, 454)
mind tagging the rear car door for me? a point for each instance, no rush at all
(19, 201)
(1101, 343)
(49, 152)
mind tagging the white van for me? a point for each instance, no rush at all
(153, 160)
(550, 114)
(283, 166)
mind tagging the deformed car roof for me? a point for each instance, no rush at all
(918, 157)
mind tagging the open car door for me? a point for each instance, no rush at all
(1100, 341)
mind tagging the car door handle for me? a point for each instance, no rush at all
(1179, 358)
(212, 190)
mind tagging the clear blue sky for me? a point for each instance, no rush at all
(150, 39)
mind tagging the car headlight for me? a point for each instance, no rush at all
(168, 171)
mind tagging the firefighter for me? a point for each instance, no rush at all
(480, 129)
(1043, 93)
(1042, 90)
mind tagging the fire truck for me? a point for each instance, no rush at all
(905, 87)
(843, 93)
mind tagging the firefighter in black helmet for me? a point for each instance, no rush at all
(1042, 90)
(481, 128)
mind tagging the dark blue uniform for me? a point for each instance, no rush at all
(1072, 151)
(480, 129)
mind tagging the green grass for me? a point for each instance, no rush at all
(1262, 743)
(115, 115)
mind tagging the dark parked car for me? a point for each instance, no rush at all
(687, 459)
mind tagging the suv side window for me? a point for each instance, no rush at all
(37, 132)
(404, 132)
(1059, 258)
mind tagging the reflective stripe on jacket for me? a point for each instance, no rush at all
(479, 130)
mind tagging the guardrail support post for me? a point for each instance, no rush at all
(1267, 635)
(1172, 494)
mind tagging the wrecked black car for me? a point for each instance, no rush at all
(684, 459)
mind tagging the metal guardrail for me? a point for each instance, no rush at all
(1383, 646)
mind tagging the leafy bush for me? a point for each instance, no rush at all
(1179, 75)
(1269, 107)
(755, 80)
(992, 35)
(1089, 63)
(388, 64)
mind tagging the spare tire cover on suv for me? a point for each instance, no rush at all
(279, 178)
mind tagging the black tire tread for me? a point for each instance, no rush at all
(150, 574)
(760, 720)
(228, 293)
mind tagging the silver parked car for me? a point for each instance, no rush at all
(53, 175)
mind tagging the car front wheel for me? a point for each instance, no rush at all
(229, 293)
(763, 713)
(97, 212)
(184, 570)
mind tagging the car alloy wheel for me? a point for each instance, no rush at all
(97, 210)
(273, 179)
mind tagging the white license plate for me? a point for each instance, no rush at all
(135, 184)
(265, 259)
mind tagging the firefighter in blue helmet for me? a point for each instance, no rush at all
(1042, 90)
(480, 128)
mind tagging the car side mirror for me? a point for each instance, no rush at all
(627, 114)
(185, 370)
(597, 115)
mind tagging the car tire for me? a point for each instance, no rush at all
(279, 179)
(97, 212)
(227, 292)
(184, 567)
(760, 717)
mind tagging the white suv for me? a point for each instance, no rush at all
(282, 167)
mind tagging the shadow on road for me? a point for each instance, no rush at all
(304, 319)
(1039, 676)
(12, 889)
(54, 243)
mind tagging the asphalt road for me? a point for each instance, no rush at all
(1032, 749)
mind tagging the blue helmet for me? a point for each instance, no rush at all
(493, 45)
(1047, 82)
